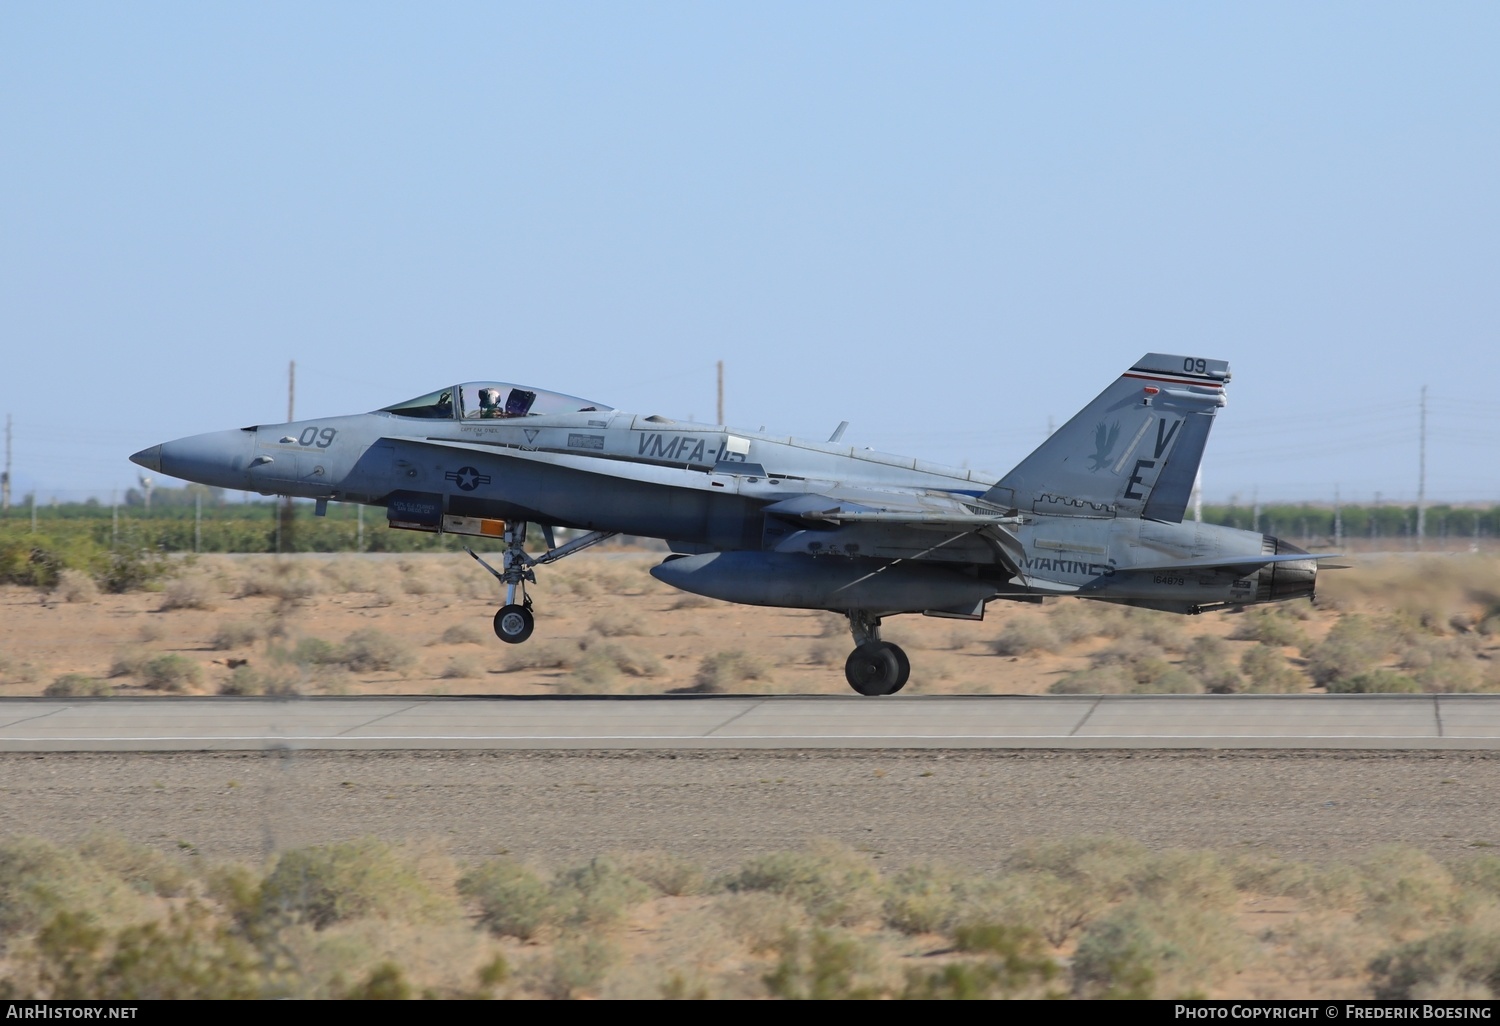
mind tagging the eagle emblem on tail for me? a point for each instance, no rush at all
(1104, 443)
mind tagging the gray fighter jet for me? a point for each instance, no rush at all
(1095, 512)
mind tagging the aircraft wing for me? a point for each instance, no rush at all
(915, 509)
(950, 514)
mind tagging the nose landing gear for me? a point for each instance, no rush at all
(875, 667)
(514, 621)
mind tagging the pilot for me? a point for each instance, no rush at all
(489, 404)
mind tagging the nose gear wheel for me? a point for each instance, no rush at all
(514, 621)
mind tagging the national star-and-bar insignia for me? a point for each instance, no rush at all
(467, 478)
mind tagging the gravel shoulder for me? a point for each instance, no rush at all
(968, 808)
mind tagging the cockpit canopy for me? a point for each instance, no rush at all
(490, 400)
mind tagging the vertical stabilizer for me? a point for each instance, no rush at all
(1132, 452)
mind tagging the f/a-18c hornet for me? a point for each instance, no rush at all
(1095, 512)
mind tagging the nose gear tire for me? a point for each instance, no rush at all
(514, 624)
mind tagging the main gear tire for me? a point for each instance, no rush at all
(877, 668)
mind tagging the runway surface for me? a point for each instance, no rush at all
(683, 722)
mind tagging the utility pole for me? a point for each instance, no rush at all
(284, 541)
(721, 392)
(5, 477)
(1338, 520)
(1422, 475)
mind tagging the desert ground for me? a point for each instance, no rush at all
(421, 624)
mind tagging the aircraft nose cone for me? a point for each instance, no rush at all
(219, 458)
(149, 458)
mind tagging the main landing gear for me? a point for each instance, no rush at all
(875, 667)
(514, 621)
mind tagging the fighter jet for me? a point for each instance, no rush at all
(1096, 512)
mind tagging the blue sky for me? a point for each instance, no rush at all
(947, 224)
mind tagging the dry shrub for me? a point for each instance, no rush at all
(1452, 676)
(235, 634)
(1457, 964)
(513, 899)
(720, 671)
(462, 634)
(577, 965)
(195, 592)
(150, 632)
(1057, 887)
(923, 898)
(416, 583)
(327, 680)
(595, 668)
(1353, 646)
(1016, 965)
(597, 895)
(549, 655)
(1445, 665)
(76, 586)
(669, 874)
(1072, 622)
(1165, 631)
(1376, 682)
(760, 919)
(39, 880)
(129, 661)
(348, 880)
(1143, 949)
(1208, 661)
(465, 666)
(834, 884)
(349, 575)
(828, 964)
(144, 869)
(282, 580)
(1175, 933)
(614, 625)
(245, 681)
(1267, 672)
(307, 652)
(171, 672)
(573, 584)
(78, 685)
(1405, 888)
(1269, 627)
(372, 650)
(691, 601)
(1141, 670)
(826, 653)
(1024, 636)
(629, 661)
(1096, 680)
